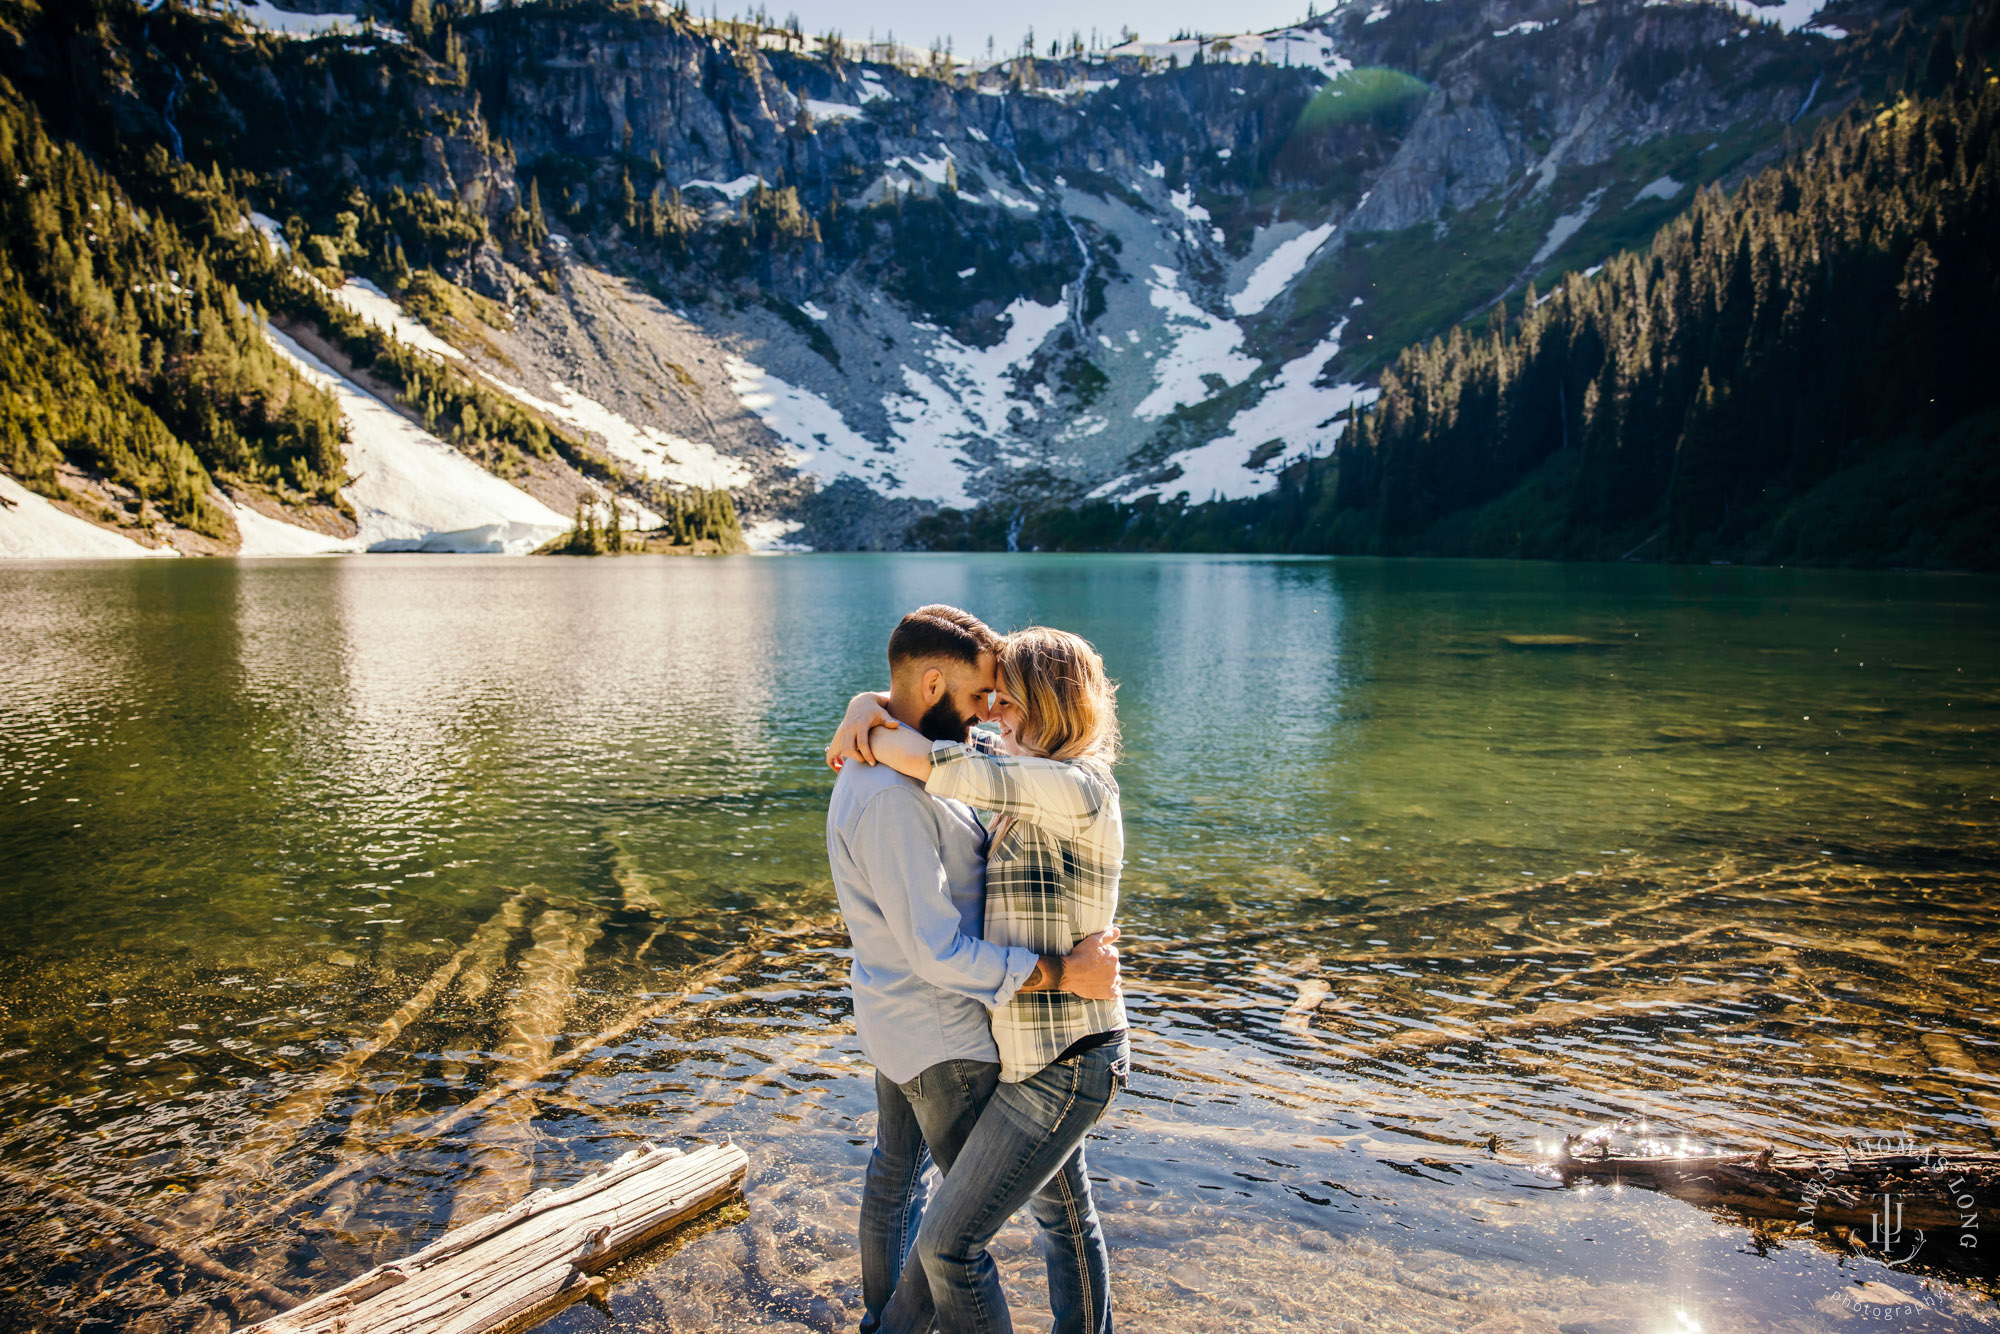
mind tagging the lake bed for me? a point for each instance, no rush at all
(1430, 865)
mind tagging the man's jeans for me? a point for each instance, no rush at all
(1026, 1148)
(936, 1110)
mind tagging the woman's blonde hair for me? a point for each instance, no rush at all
(1069, 707)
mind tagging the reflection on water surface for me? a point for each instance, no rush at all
(348, 899)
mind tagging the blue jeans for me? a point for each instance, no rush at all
(1026, 1149)
(927, 1118)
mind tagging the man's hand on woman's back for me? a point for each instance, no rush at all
(1091, 969)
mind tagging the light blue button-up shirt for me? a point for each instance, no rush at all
(910, 872)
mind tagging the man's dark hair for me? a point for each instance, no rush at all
(938, 631)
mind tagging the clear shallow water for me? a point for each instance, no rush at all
(1413, 892)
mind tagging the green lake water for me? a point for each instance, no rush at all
(1431, 864)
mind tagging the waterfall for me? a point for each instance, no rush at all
(1003, 137)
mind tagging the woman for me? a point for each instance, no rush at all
(1053, 860)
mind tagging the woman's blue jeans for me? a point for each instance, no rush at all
(1026, 1149)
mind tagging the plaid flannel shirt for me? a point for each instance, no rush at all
(1052, 868)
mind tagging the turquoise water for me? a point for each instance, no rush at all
(1708, 849)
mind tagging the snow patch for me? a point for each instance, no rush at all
(824, 445)
(33, 529)
(1275, 274)
(871, 87)
(1525, 26)
(831, 110)
(931, 169)
(770, 536)
(730, 190)
(1292, 48)
(656, 455)
(968, 396)
(967, 273)
(1566, 226)
(266, 536)
(811, 310)
(1202, 345)
(1307, 419)
(413, 492)
(1789, 15)
(1665, 187)
(378, 308)
(1013, 201)
(274, 234)
(964, 396)
(1157, 171)
(267, 16)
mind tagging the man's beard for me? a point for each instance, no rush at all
(943, 722)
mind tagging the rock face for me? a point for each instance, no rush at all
(876, 288)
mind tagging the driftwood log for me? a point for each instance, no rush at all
(515, 1269)
(1942, 1190)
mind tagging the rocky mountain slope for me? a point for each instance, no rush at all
(853, 286)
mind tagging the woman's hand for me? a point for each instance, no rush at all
(869, 709)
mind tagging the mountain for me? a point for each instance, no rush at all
(866, 291)
(1799, 372)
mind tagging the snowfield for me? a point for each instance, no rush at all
(33, 529)
(657, 455)
(380, 309)
(730, 190)
(266, 536)
(831, 110)
(1306, 419)
(825, 446)
(771, 536)
(413, 492)
(955, 396)
(1297, 48)
(267, 16)
(1202, 345)
(1568, 225)
(1275, 274)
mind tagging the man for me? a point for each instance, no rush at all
(910, 873)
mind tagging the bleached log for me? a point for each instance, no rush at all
(517, 1268)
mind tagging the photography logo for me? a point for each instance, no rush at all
(1893, 1197)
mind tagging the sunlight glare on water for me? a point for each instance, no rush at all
(1431, 864)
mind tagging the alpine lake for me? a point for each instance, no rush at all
(1431, 864)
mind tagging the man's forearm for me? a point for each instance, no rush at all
(1047, 975)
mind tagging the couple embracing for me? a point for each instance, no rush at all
(985, 976)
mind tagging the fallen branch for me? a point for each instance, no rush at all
(503, 1156)
(188, 1255)
(447, 1122)
(253, 1158)
(1936, 1191)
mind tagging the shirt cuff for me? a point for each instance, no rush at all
(1021, 964)
(943, 755)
